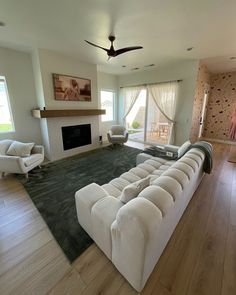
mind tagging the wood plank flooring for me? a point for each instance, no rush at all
(200, 258)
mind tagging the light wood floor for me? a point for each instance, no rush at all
(199, 259)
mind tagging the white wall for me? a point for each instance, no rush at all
(187, 71)
(16, 66)
(107, 82)
(52, 62)
(46, 63)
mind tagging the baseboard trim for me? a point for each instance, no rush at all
(219, 140)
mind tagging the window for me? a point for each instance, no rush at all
(6, 121)
(107, 103)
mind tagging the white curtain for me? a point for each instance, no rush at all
(130, 96)
(165, 98)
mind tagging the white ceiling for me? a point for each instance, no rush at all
(165, 28)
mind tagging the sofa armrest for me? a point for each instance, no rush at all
(12, 164)
(85, 199)
(103, 215)
(134, 240)
(171, 148)
(109, 135)
(38, 149)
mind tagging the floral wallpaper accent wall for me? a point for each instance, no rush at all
(221, 104)
(203, 78)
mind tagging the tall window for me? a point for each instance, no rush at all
(6, 120)
(107, 103)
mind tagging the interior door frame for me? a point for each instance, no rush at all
(203, 110)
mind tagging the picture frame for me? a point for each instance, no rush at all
(70, 88)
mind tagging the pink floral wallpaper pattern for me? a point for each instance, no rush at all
(221, 104)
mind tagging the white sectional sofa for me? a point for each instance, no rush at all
(133, 235)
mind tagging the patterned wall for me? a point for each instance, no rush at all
(203, 78)
(221, 103)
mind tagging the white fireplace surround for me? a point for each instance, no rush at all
(52, 135)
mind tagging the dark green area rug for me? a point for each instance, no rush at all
(52, 189)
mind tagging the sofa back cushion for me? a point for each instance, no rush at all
(4, 146)
(20, 149)
(132, 190)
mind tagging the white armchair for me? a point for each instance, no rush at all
(117, 134)
(16, 164)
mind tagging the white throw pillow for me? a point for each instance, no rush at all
(132, 190)
(20, 149)
(183, 149)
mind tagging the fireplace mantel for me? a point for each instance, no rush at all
(40, 114)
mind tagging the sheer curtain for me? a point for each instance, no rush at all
(130, 96)
(165, 98)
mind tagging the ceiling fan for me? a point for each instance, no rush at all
(111, 52)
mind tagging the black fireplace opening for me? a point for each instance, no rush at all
(76, 136)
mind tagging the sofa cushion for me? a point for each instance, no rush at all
(155, 164)
(119, 183)
(139, 172)
(159, 197)
(118, 138)
(195, 151)
(189, 162)
(159, 160)
(131, 191)
(171, 185)
(183, 149)
(111, 190)
(164, 167)
(20, 149)
(32, 159)
(157, 172)
(147, 167)
(131, 177)
(178, 175)
(188, 170)
(196, 158)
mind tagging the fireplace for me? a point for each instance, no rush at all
(76, 136)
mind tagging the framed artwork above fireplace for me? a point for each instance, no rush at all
(69, 88)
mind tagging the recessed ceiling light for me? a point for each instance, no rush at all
(2, 24)
(232, 57)
(134, 69)
(190, 48)
(123, 66)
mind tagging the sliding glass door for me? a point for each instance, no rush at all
(157, 127)
(150, 113)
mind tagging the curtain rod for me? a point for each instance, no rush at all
(152, 83)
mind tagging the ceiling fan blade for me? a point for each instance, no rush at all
(97, 45)
(126, 49)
